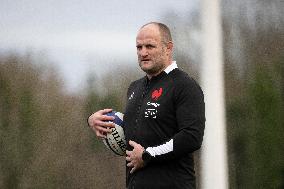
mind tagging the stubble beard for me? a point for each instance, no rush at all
(154, 70)
(158, 66)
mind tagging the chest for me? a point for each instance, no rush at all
(152, 101)
(150, 113)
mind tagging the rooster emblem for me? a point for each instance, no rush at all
(157, 93)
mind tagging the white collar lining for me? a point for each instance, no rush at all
(171, 67)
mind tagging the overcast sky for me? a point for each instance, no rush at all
(81, 35)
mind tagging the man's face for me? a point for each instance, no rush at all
(151, 52)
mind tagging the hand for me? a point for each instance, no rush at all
(134, 157)
(99, 122)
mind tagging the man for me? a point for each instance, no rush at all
(164, 117)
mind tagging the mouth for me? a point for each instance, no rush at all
(145, 60)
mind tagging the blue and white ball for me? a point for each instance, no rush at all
(115, 141)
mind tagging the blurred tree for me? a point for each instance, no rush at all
(185, 36)
(44, 138)
(17, 124)
(92, 102)
(254, 85)
(267, 131)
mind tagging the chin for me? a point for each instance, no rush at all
(145, 69)
(149, 71)
(146, 66)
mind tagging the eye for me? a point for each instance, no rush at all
(150, 46)
(139, 47)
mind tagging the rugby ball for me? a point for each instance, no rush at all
(115, 141)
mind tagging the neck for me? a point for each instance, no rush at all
(155, 74)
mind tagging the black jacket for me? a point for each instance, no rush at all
(166, 115)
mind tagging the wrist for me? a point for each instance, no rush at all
(146, 157)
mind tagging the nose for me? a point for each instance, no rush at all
(143, 52)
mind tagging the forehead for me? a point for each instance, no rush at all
(148, 34)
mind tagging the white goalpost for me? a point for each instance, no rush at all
(214, 168)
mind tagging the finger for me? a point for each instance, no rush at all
(128, 158)
(133, 170)
(100, 134)
(108, 124)
(104, 111)
(103, 124)
(107, 118)
(102, 129)
(128, 153)
(132, 143)
(129, 164)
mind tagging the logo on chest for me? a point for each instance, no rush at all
(152, 107)
(157, 93)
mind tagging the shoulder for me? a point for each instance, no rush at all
(181, 78)
(183, 83)
(136, 83)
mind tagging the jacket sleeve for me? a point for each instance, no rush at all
(190, 115)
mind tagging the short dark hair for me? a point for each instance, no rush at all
(164, 30)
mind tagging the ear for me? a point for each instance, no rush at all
(170, 46)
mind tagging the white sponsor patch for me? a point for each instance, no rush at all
(151, 110)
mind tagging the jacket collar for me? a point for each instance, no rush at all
(171, 67)
(166, 71)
